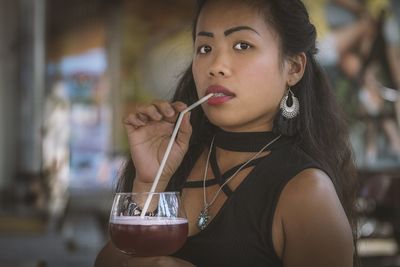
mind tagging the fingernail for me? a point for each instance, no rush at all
(170, 112)
(181, 105)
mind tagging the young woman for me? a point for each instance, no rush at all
(271, 146)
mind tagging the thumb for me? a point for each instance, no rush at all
(185, 131)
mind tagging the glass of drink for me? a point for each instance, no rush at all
(162, 231)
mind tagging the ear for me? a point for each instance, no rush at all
(297, 65)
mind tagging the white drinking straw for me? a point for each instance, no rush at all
(169, 147)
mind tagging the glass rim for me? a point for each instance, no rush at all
(147, 193)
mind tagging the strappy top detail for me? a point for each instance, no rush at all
(240, 234)
(220, 178)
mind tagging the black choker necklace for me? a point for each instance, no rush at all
(242, 141)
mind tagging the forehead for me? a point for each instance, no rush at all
(230, 13)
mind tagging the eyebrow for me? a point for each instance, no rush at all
(228, 31)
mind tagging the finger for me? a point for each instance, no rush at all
(142, 117)
(141, 261)
(170, 110)
(179, 106)
(165, 108)
(150, 111)
(133, 120)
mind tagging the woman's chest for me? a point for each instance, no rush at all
(237, 235)
(206, 198)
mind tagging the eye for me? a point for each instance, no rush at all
(242, 46)
(204, 49)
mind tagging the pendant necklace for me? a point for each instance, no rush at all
(204, 217)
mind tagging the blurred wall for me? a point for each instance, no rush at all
(31, 85)
(8, 89)
(21, 87)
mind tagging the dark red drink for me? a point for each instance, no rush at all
(150, 236)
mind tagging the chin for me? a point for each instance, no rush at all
(236, 124)
(222, 121)
(229, 125)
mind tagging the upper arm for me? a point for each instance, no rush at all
(316, 229)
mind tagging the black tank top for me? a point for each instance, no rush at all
(241, 233)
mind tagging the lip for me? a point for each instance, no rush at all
(218, 100)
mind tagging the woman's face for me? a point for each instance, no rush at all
(237, 56)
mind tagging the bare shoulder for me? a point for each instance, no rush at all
(311, 192)
(309, 196)
(310, 181)
(316, 229)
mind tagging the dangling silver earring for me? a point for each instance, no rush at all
(287, 122)
(290, 106)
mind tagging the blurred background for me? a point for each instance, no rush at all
(71, 70)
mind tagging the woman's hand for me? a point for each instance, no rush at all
(110, 256)
(149, 130)
(162, 261)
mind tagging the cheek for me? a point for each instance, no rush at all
(266, 77)
(264, 67)
(198, 66)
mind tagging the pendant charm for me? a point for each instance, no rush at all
(203, 219)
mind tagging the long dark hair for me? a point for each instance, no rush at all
(323, 133)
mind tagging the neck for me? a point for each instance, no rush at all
(264, 127)
(242, 141)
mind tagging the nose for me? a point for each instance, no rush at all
(219, 66)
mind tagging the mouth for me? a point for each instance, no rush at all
(219, 91)
(221, 95)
